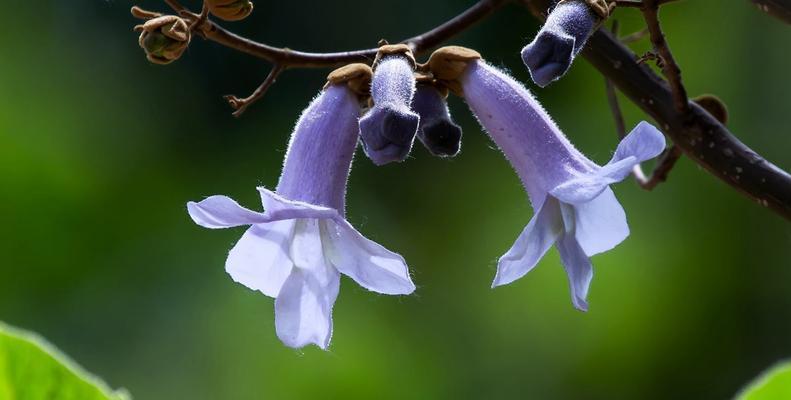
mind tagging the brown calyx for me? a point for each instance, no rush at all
(446, 65)
(356, 76)
(164, 38)
(399, 49)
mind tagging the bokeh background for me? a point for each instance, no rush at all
(100, 151)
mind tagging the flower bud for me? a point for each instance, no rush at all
(388, 130)
(440, 135)
(230, 10)
(164, 38)
(549, 56)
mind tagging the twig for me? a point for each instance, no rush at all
(670, 68)
(202, 18)
(667, 160)
(633, 37)
(240, 105)
(300, 59)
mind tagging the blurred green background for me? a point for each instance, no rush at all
(100, 151)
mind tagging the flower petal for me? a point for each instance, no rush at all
(578, 268)
(279, 208)
(370, 265)
(303, 309)
(260, 260)
(534, 241)
(581, 189)
(548, 57)
(222, 212)
(600, 224)
(643, 143)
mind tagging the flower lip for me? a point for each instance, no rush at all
(441, 137)
(548, 57)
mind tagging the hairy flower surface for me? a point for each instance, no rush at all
(562, 37)
(574, 207)
(296, 250)
(388, 129)
(440, 135)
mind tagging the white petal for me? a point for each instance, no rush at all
(578, 268)
(644, 142)
(278, 207)
(303, 309)
(368, 263)
(261, 260)
(222, 212)
(534, 241)
(600, 223)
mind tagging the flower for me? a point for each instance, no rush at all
(562, 37)
(574, 207)
(388, 129)
(296, 250)
(440, 135)
(164, 38)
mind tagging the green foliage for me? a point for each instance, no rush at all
(773, 384)
(32, 369)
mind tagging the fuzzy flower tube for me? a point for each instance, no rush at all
(575, 209)
(562, 37)
(388, 129)
(297, 248)
(437, 131)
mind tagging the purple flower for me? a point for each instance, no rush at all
(440, 135)
(562, 37)
(296, 250)
(574, 207)
(388, 129)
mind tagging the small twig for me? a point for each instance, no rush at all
(666, 160)
(140, 13)
(240, 105)
(633, 37)
(202, 17)
(669, 66)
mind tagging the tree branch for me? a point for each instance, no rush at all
(288, 58)
(696, 133)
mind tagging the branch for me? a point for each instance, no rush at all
(240, 105)
(288, 58)
(670, 68)
(667, 160)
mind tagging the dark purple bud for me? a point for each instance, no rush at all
(440, 135)
(562, 37)
(388, 129)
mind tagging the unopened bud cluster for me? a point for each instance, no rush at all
(164, 38)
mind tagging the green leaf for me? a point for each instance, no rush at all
(773, 384)
(33, 369)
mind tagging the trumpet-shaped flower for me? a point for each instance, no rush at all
(296, 250)
(574, 207)
(437, 131)
(388, 129)
(562, 37)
